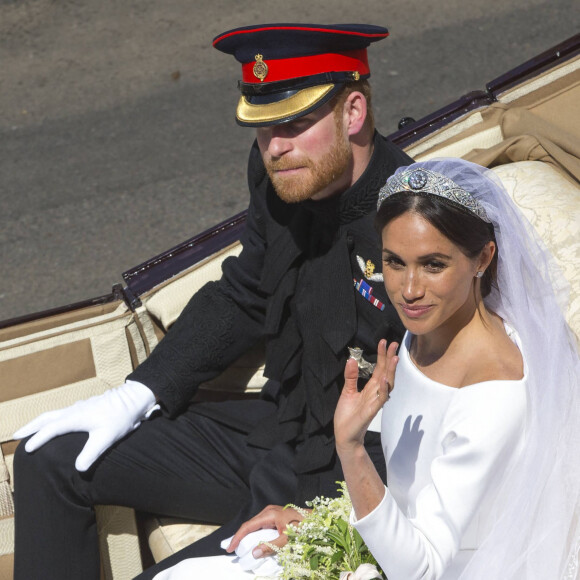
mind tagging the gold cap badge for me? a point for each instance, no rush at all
(260, 69)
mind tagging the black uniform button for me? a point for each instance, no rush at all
(350, 242)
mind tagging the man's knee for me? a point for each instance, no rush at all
(56, 457)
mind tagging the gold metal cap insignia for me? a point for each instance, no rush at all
(260, 69)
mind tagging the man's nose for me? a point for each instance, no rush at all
(280, 143)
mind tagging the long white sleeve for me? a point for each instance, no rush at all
(446, 450)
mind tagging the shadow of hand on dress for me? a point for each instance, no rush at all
(405, 455)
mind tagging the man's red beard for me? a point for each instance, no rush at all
(312, 177)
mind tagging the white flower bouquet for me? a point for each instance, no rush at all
(324, 545)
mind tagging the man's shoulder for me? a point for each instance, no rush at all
(397, 155)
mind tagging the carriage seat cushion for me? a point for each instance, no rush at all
(166, 536)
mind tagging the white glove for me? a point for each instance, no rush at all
(241, 566)
(106, 418)
(209, 568)
(267, 566)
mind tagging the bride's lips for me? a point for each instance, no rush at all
(415, 311)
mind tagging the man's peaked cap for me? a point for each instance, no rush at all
(289, 70)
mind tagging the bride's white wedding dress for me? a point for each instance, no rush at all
(447, 451)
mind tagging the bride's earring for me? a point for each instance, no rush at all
(479, 275)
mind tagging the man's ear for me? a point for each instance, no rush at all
(355, 112)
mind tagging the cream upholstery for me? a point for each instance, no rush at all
(552, 205)
(166, 301)
(97, 355)
(169, 535)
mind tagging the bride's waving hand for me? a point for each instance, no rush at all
(356, 409)
(354, 413)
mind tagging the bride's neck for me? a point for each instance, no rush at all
(428, 348)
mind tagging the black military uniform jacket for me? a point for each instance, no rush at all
(294, 285)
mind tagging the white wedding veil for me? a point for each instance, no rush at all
(536, 535)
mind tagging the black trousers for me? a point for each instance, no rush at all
(191, 466)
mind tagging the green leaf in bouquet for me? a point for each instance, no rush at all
(314, 562)
(359, 542)
(338, 538)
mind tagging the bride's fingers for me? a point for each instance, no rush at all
(375, 393)
(383, 390)
(392, 361)
(383, 379)
(392, 350)
(262, 520)
(350, 376)
(264, 550)
(381, 365)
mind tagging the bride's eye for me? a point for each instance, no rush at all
(393, 262)
(435, 266)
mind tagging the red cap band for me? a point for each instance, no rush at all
(291, 68)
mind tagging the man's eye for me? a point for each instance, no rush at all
(299, 126)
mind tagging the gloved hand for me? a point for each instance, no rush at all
(106, 418)
(241, 566)
(267, 566)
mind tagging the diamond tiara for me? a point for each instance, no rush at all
(423, 181)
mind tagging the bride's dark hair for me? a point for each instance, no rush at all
(465, 230)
